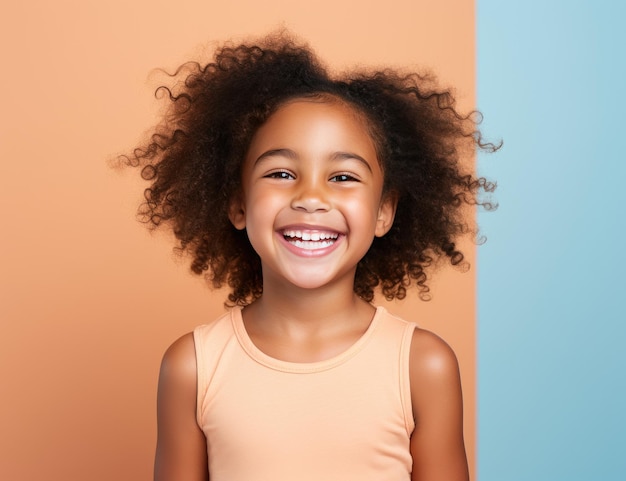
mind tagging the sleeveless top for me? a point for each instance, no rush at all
(341, 419)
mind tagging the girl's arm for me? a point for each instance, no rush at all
(437, 445)
(181, 453)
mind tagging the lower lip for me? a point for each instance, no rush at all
(303, 252)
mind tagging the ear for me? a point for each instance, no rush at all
(386, 213)
(237, 213)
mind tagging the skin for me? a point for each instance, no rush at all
(312, 169)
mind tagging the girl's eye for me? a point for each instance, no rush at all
(343, 178)
(279, 174)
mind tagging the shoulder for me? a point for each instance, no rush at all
(430, 354)
(176, 393)
(433, 367)
(222, 327)
(179, 362)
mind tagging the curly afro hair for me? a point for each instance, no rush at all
(193, 161)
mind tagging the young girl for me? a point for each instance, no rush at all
(303, 193)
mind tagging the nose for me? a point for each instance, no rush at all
(310, 197)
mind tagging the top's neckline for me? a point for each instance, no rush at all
(303, 367)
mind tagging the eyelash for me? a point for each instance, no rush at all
(344, 178)
(282, 174)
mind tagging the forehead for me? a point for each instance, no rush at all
(322, 104)
(321, 123)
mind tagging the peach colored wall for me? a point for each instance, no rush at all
(88, 301)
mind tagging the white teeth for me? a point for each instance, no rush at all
(310, 236)
(310, 240)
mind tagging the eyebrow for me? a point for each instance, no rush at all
(277, 152)
(292, 155)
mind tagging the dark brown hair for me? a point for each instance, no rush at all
(193, 161)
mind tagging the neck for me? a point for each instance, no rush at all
(289, 307)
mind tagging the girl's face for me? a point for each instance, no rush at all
(312, 194)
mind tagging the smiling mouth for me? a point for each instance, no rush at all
(310, 239)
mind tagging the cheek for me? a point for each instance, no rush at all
(262, 207)
(363, 210)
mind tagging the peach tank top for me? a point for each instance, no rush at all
(342, 419)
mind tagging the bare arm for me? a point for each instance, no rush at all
(437, 445)
(181, 446)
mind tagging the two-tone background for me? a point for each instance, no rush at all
(89, 300)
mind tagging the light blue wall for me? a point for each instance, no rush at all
(552, 275)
